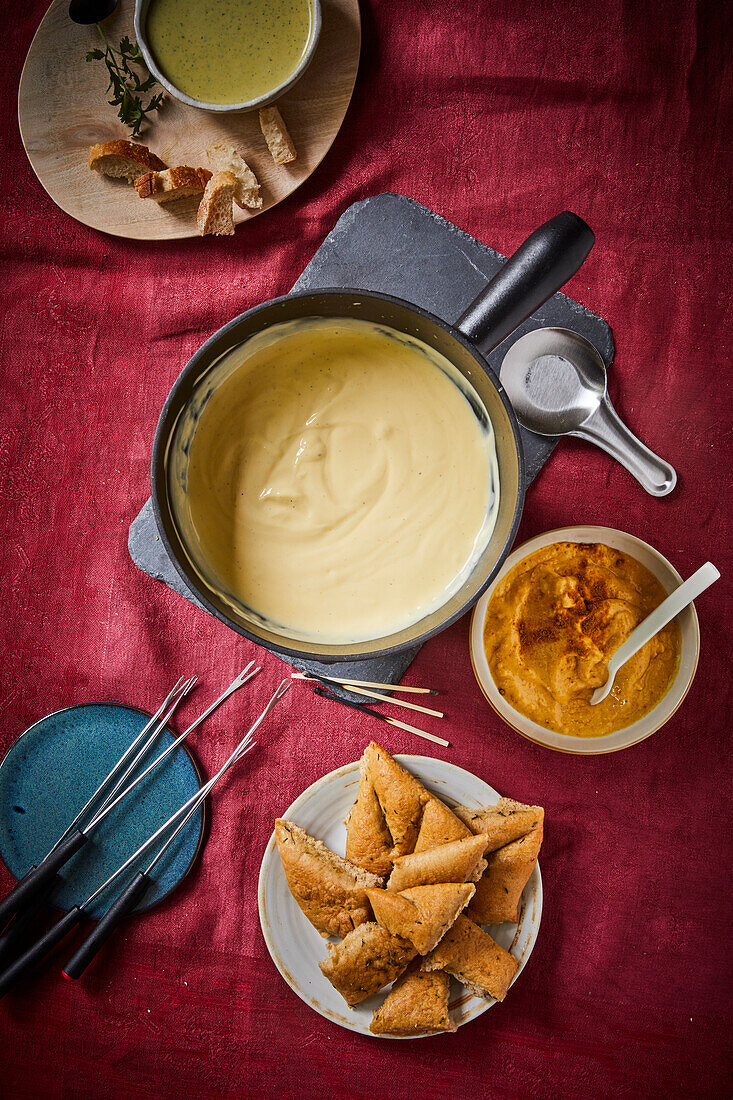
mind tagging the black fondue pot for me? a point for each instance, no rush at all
(546, 260)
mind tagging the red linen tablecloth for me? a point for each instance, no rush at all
(497, 115)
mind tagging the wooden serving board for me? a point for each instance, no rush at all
(63, 109)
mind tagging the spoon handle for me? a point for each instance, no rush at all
(688, 591)
(607, 430)
(652, 624)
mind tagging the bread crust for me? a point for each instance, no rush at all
(174, 183)
(275, 133)
(421, 914)
(368, 840)
(331, 892)
(439, 825)
(401, 796)
(416, 1003)
(472, 956)
(123, 159)
(501, 824)
(499, 891)
(457, 861)
(214, 214)
(366, 960)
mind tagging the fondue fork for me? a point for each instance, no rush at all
(366, 684)
(376, 695)
(142, 881)
(73, 917)
(38, 876)
(384, 717)
(75, 838)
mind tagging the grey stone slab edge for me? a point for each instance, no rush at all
(393, 244)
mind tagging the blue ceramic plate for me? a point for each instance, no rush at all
(50, 772)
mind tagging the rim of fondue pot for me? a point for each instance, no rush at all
(542, 264)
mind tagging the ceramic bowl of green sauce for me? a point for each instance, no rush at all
(227, 55)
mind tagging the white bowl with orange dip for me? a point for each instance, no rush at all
(545, 668)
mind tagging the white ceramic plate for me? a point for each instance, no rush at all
(651, 722)
(295, 946)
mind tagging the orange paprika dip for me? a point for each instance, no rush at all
(554, 622)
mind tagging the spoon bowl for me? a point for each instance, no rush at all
(556, 382)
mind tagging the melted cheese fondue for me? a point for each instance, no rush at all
(339, 484)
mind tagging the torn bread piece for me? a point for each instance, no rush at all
(458, 861)
(276, 135)
(422, 914)
(470, 954)
(416, 1003)
(330, 891)
(499, 891)
(174, 183)
(223, 157)
(125, 160)
(439, 826)
(214, 215)
(366, 960)
(501, 824)
(400, 795)
(368, 840)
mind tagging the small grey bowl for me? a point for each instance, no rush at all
(141, 12)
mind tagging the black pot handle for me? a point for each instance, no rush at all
(539, 267)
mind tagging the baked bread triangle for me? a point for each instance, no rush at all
(366, 960)
(472, 956)
(421, 914)
(439, 825)
(457, 861)
(507, 873)
(501, 824)
(368, 840)
(416, 1003)
(329, 890)
(400, 795)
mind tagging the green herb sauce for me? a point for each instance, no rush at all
(228, 51)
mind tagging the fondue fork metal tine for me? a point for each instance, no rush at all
(384, 717)
(38, 876)
(46, 943)
(244, 677)
(181, 689)
(141, 752)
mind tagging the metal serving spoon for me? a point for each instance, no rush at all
(652, 624)
(87, 12)
(556, 381)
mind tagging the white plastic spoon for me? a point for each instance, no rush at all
(688, 591)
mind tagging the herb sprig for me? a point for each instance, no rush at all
(127, 85)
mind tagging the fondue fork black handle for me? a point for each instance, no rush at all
(536, 271)
(37, 878)
(12, 939)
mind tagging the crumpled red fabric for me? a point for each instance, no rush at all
(497, 115)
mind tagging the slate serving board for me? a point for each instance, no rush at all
(393, 244)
